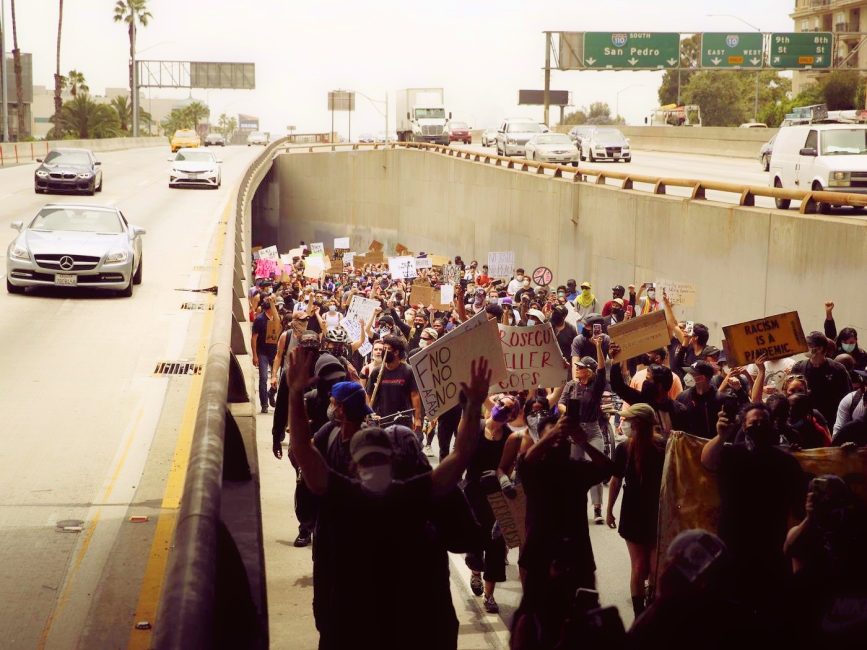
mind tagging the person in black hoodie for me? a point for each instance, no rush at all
(700, 400)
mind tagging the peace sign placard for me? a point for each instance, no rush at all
(543, 276)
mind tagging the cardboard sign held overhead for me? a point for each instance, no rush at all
(361, 309)
(423, 263)
(639, 335)
(296, 252)
(400, 249)
(501, 265)
(341, 242)
(375, 246)
(447, 294)
(402, 268)
(451, 274)
(679, 293)
(337, 266)
(438, 260)
(421, 294)
(532, 357)
(317, 248)
(314, 267)
(376, 257)
(269, 253)
(777, 337)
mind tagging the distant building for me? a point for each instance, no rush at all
(844, 18)
(247, 123)
(12, 96)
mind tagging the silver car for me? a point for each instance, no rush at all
(513, 135)
(257, 137)
(489, 137)
(75, 245)
(195, 167)
(605, 143)
(553, 148)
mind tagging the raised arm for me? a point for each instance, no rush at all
(759, 383)
(671, 321)
(310, 461)
(830, 325)
(712, 452)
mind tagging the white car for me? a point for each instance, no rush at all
(195, 167)
(513, 135)
(257, 137)
(553, 148)
(605, 143)
(489, 137)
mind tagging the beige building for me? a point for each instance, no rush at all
(841, 17)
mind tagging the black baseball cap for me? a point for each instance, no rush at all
(618, 287)
(700, 368)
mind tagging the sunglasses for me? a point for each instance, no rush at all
(426, 338)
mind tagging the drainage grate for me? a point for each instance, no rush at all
(177, 368)
(203, 268)
(196, 306)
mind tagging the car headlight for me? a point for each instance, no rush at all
(117, 256)
(839, 179)
(19, 253)
(85, 175)
(512, 141)
(42, 174)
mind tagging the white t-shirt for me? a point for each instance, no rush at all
(775, 371)
(513, 287)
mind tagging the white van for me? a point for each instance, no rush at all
(830, 157)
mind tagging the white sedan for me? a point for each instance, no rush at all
(553, 148)
(195, 167)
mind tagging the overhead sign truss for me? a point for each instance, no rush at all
(196, 74)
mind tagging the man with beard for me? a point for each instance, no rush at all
(759, 486)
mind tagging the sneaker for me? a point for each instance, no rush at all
(428, 450)
(491, 606)
(272, 396)
(303, 539)
(476, 584)
(597, 516)
(265, 409)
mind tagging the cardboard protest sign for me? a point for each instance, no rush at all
(440, 368)
(326, 263)
(358, 261)
(501, 265)
(341, 242)
(375, 257)
(452, 273)
(511, 514)
(421, 295)
(273, 331)
(423, 263)
(679, 293)
(269, 253)
(347, 258)
(777, 337)
(296, 252)
(400, 249)
(337, 266)
(532, 357)
(438, 260)
(639, 335)
(314, 267)
(353, 328)
(286, 260)
(447, 294)
(361, 308)
(402, 268)
(375, 246)
(572, 315)
(255, 252)
(317, 248)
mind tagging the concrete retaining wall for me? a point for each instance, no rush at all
(746, 262)
(18, 152)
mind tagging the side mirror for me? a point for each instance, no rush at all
(219, 160)
(809, 151)
(407, 115)
(39, 160)
(137, 230)
(97, 162)
(17, 225)
(169, 159)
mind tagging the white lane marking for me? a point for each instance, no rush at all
(143, 183)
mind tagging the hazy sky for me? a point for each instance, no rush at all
(480, 51)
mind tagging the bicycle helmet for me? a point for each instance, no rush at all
(337, 336)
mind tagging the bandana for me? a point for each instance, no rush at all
(585, 298)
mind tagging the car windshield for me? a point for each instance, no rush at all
(194, 156)
(77, 220)
(554, 138)
(459, 125)
(430, 113)
(257, 134)
(608, 134)
(77, 158)
(840, 142)
(185, 134)
(523, 127)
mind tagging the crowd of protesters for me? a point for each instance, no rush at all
(382, 519)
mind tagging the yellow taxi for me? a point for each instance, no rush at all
(185, 138)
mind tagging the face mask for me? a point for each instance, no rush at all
(526, 283)
(561, 295)
(423, 344)
(384, 331)
(449, 327)
(759, 435)
(519, 278)
(849, 347)
(500, 415)
(651, 294)
(331, 416)
(375, 480)
(585, 292)
(533, 425)
(688, 380)
(626, 428)
(493, 301)
(389, 357)
(332, 308)
(530, 322)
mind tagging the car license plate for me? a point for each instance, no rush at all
(66, 280)
(616, 155)
(192, 175)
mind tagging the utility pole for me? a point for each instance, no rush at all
(134, 84)
(4, 113)
(547, 98)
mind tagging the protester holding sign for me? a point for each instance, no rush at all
(265, 335)
(392, 388)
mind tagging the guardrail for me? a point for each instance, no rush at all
(812, 202)
(188, 610)
(18, 152)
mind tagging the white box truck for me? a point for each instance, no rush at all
(421, 116)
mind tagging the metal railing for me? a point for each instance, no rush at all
(746, 194)
(186, 618)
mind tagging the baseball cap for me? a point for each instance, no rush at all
(370, 440)
(328, 368)
(586, 284)
(618, 301)
(640, 411)
(711, 351)
(431, 332)
(587, 362)
(700, 368)
(386, 320)
(618, 287)
(538, 315)
(350, 392)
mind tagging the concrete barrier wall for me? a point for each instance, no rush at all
(18, 152)
(746, 262)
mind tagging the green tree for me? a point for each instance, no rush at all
(720, 97)
(575, 117)
(84, 119)
(841, 90)
(123, 108)
(197, 111)
(226, 126)
(132, 12)
(75, 82)
(690, 57)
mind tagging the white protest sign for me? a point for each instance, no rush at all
(296, 252)
(501, 265)
(314, 267)
(269, 253)
(532, 358)
(572, 316)
(679, 293)
(440, 368)
(423, 263)
(347, 259)
(361, 309)
(341, 242)
(286, 260)
(402, 268)
(352, 327)
(317, 248)
(447, 294)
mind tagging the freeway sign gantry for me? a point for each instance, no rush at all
(631, 51)
(801, 50)
(727, 50)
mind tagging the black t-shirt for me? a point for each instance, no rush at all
(829, 384)
(590, 396)
(260, 328)
(640, 508)
(395, 389)
(565, 338)
(702, 411)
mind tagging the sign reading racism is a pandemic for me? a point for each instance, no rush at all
(775, 337)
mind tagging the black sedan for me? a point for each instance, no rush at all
(68, 170)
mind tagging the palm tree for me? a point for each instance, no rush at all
(132, 12)
(58, 83)
(84, 118)
(197, 111)
(75, 81)
(123, 108)
(19, 90)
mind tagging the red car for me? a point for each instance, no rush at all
(459, 132)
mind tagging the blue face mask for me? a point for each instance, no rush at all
(332, 308)
(449, 327)
(849, 347)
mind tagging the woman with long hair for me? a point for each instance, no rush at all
(638, 464)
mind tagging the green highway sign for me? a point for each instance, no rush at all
(801, 50)
(631, 51)
(724, 50)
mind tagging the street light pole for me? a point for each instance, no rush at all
(758, 29)
(4, 113)
(617, 99)
(134, 83)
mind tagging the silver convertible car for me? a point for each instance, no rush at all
(75, 245)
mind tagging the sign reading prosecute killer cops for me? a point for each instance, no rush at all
(532, 358)
(777, 337)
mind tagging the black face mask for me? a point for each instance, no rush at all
(617, 313)
(648, 391)
(760, 436)
(389, 357)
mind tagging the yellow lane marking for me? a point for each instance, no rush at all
(65, 595)
(149, 597)
(123, 457)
